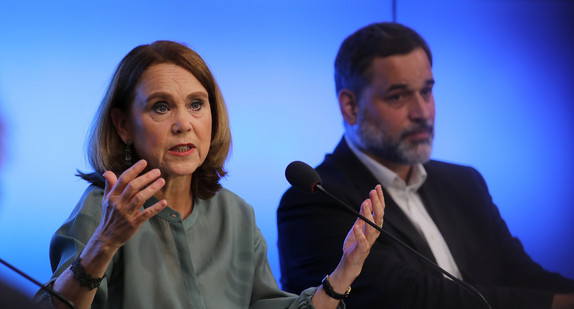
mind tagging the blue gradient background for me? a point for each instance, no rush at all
(504, 73)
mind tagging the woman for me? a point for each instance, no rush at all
(163, 128)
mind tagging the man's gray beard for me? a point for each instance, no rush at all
(400, 151)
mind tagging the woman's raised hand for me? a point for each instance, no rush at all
(121, 219)
(356, 248)
(122, 201)
(362, 236)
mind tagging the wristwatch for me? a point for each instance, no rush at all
(329, 290)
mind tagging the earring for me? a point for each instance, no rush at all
(128, 154)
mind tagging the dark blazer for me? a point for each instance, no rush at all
(312, 229)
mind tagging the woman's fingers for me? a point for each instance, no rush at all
(131, 190)
(128, 175)
(378, 205)
(361, 239)
(370, 232)
(125, 178)
(111, 180)
(362, 236)
(140, 189)
(151, 211)
(373, 209)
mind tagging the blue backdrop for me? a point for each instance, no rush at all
(504, 73)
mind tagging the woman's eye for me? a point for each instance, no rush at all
(160, 108)
(196, 105)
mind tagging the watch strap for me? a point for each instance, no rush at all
(329, 290)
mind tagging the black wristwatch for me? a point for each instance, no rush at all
(329, 290)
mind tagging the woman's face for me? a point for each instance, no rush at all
(169, 121)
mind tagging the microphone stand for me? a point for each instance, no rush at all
(43, 287)
(463, 284)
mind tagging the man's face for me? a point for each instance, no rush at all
(395, 116)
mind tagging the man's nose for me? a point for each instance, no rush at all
(421, 107)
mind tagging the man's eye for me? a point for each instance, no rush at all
(395, 97)
(160, 108)
(426, 91)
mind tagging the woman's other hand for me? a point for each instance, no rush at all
(362, 236)
(356, 248)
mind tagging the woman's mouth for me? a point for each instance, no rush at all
(182, 149)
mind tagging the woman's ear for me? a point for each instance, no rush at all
(348, 105)
(120, 121)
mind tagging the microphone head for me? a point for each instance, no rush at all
(301, 176)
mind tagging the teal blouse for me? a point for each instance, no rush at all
(214, 258)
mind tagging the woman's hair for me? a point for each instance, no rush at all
(105, 148)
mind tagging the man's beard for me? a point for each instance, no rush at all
(400, 149)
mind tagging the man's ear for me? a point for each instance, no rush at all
(348, 105)
(120, 121)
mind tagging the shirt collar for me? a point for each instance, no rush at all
(385, 176)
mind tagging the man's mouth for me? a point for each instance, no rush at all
(419, 133)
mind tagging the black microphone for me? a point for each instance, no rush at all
(43, 287)
(303, 177)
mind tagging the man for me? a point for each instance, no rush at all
(384, 84)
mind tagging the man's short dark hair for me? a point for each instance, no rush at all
(375, 40)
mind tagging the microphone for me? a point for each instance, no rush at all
(43, 287)
(303, 177)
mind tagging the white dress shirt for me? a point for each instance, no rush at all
(409, 201)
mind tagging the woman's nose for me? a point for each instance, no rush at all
(182, 123)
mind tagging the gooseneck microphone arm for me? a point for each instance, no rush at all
(304, 177)
(463, 284)
(43, 287)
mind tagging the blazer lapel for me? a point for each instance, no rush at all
(444, 211)
(396, 222)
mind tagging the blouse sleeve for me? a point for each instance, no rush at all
(69, 241)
